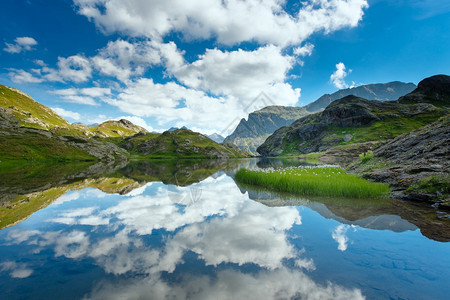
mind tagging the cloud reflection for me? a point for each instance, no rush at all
(228, 284)
(17, 270)
(222, 227)
(339, 235)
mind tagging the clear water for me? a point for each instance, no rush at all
(216, 240)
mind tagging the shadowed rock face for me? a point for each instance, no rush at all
(439, 84)
(251, 133)
(434, 90)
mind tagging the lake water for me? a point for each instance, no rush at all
(188, 231)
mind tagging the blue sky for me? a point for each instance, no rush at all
(202, 63)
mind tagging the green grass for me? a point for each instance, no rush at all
(366, 156)
(24, 107)
(432, 184)
(178, 144)
(322, 181)
(113, 129)
(37, 147)
(385, 129)
(24, 206)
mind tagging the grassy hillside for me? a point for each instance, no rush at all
(34, 146)
(381, 130)
(180, 143)
(120, 128)
(29, 112)
(347, 121)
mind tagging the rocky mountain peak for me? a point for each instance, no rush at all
(435, 84)
(127, 123)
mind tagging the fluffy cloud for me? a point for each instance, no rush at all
(338, 77)
(119, 59)
(20, 44)
(242, 74)
(122, 59)
(306, 50)
(66, 113)
(217, 87)
(74, 68)
(82, 96)
(230, 22)
(172, 102)
(21, 76)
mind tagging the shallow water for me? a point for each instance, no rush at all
(201, 236)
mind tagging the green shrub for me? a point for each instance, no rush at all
(432, 184)
(366, 156)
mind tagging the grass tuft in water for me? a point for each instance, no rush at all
(318, 181)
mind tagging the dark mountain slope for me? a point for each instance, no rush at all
(352, 119)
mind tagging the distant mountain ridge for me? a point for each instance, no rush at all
(379, 91)
(216, 137)
(251, 133)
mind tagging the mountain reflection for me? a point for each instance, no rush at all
(28, 188)
(226, 230)
(159, 230)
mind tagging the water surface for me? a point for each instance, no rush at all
(157, 230)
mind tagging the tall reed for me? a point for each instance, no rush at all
(317, 181)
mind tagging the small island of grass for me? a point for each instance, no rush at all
(317, 181)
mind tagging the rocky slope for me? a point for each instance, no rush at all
(117, 129)
(416, 164)
(434, 90)
(28, 112)
(380, 91)
(31, 144)
(355, 120)
(251, 133)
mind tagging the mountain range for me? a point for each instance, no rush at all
(353, 119)
(251, 133)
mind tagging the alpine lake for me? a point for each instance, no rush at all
(186, 230)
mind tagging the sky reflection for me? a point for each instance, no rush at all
(201, 241)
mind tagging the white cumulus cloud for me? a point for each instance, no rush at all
(82, 96)
(338, 77)
(66, 113)
(22, 76)
(20, 44)
(230, 22)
